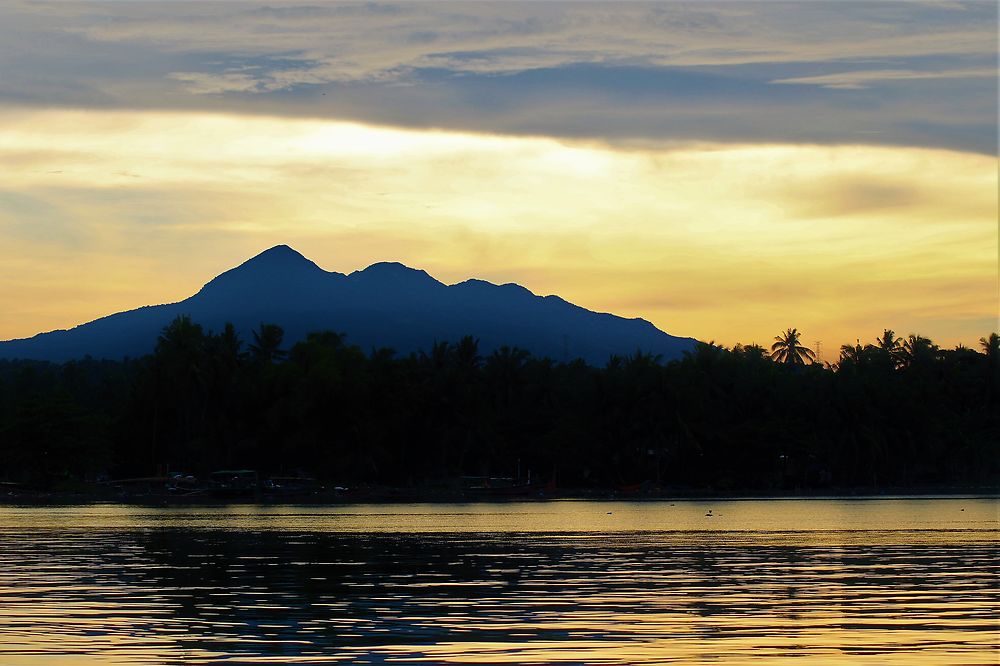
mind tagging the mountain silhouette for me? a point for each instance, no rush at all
(385, 305)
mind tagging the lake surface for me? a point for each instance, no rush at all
(877, 581)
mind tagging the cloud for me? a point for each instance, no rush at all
(719, 241)
(715, 167)
(202, 83)
(612, 72)
(391, 37)
(863, 78)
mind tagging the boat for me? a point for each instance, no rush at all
(507, 487)
(234, 484)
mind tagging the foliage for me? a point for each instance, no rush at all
(786, 349)
(895, 413)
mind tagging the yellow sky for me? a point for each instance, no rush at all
(101, 212)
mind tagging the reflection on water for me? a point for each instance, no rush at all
(869, 581)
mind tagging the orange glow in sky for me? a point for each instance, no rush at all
(724, 170)
(109, 211)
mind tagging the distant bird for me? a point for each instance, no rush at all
(709, 514)
(609, 513)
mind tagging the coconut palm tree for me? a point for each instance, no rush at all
(751, 351)
(267, 343)
(890, 346)
(991, 347)
(853, 354)
(181, 337)
(889, 342)
(917, 350)
(466, 353)
(786, 349)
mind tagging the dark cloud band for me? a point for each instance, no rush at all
(920, 74)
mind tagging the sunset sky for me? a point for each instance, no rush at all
(725, 170)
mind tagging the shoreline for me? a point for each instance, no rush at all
(406, 496)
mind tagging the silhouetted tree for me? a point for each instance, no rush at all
(991, 347)
(467, 353)
(888, 342)
(715, 419)
(751, 351)
(917, 351)
(786, 349)
(890, 347)
(852, 354)
(266, 345)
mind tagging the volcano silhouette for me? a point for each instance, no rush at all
(385, 305)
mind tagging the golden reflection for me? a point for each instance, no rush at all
(830, 581)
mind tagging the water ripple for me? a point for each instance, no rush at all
(127, 585)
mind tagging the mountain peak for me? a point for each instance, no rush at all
(276, 254)
(393, 272)
(277, 258)
(387, 304)
(271, 268)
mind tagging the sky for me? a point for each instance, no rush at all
(724, 170)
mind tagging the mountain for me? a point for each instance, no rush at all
(384, 305)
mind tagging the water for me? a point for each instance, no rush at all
(904, 581)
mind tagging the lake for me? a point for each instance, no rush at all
(872, 581)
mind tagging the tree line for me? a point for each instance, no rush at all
(895, 413)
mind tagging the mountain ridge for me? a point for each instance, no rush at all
(387, 304)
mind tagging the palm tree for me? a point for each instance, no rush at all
(228, 344)
(887, 350)
(889, 342)
(991, 347)
(466, 353)
(751, 351)
(852, 353)
(917, 350)
(891, 346)
(181, 337)
(786, 349)
(267, 343)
